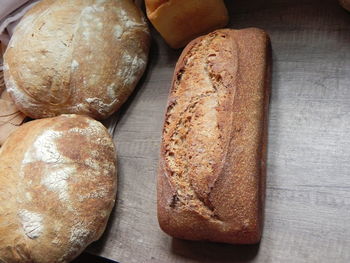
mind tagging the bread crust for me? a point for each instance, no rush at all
(57, 188)
(211, 179)
(180, 21)
(76, 56)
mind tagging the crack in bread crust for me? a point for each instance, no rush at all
(194, 159)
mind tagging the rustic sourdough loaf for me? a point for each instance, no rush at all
(211, 180)
(79, 56)
(57, 189)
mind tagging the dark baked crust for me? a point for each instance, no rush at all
(211, 180)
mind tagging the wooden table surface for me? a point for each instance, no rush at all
(308, 183)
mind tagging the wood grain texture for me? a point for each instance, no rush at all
(308, 182)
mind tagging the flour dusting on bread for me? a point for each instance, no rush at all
(44, 149)
(75, 66)
(56, 178)
(31, 223)
(63, 179)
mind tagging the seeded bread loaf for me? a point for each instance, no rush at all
(57, 189)
(80, 56)
(211, 180)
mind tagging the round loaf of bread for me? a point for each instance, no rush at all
(57, 189)
(76, 56)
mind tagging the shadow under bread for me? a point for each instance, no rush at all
(214, 252)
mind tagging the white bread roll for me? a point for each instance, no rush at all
(57, 189)
(76, 56)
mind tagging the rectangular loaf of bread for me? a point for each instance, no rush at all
(211, 181)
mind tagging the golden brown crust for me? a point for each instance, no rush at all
(211, 178)
(80, 56)
(10, 117)
(58, 187)
(152, 5)
(180, 21)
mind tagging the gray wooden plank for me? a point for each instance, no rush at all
(308, 185)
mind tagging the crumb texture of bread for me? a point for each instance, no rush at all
(76, 56)
(180, 21)
(212, 168)
(57, 189)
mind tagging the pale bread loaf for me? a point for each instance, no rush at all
(57, 189)
(76, 56)
(211, 181)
